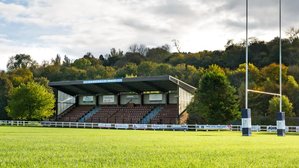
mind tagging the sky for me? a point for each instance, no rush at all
(45, 28)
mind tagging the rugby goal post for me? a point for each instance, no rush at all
(246, 112)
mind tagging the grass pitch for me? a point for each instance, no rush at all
(65, 147)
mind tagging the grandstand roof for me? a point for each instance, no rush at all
(115, 86)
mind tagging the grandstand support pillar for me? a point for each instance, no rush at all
(246, 122)
(77, 100)
(56, 103)
(97, 100)
(142, 99)
(167, 98)
(280, 124)
(118, 99)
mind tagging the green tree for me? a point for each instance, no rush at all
(57, 60)
(66, 61)
(30, 101)
(19, 76)
(215, 100)
(164, 69)
(5, 88)
(94, 61)
(113, 57)
(146, 68)
(127, 70)
(187, 73)
(287, 107)
(159, 54)
(82, 63)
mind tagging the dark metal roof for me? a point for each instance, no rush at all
(115, 86)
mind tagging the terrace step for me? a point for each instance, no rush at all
(90, 113)
(150, 115)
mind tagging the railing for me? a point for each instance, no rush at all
(150, 115)
(174, 127)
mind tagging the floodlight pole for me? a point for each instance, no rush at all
(280, 123)
(246, 112)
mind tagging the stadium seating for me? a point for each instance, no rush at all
(167, 115)
(75, 113)
(121, 114)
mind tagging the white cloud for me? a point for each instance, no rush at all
(98, 25)
(38, 53)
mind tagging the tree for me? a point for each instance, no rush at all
(19, 76)
(113, 57)
(187, 73)
(21, 61)
(130, 57)
(159, 54)
(82, 63)
(177, 45)
(94, 61)
(5, 88)
(146, 68)
(57, 60)
(30, 101)
(287, 107)
(66, 61)
(141, 49)
(292, 33)
(233, 55)
(127, 70)
(215, 100)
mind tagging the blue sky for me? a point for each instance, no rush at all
(44, 28)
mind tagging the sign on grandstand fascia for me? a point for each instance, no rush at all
(155, 97)
(102, 81)
(108, 98)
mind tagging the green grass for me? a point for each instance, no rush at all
(65, 147)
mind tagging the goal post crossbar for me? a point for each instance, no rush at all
(262, 92)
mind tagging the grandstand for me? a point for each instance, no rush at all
(141, 100)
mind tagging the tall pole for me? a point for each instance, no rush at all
(246, 75)
(246, 112)
(280, 61)
(280, 123)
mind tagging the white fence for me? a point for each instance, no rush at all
(174, 127)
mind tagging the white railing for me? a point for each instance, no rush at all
(174, 127)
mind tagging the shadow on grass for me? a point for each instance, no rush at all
(274, 133)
